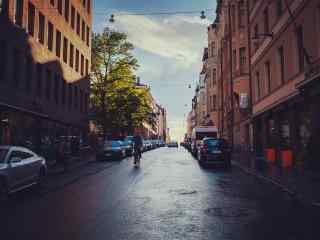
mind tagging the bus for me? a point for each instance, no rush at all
(198, 133)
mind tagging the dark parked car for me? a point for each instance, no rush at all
(128, 146)
(214, 151)
(112, 150)
(173, 144)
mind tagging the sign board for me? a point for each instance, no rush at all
(244, 101)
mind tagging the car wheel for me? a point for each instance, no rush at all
(3, 191)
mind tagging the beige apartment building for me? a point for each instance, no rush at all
(45, 49)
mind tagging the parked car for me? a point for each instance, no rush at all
(128, 146)
(112, 150)
(20, 168)
(214, 151)
(173, 144)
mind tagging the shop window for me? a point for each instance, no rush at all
(63, 90)
(39, 79)
(3, 58)
(66, 9)
(50, 36)
(58, 44)
(4, 7)
(73, 16)
(29, 72)
(285, 133)
(31, 18)
(48, 84)
(65, 49)
(41, 32)
(56, 87)
(18, 12)
(17, 63)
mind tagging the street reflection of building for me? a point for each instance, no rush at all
(285, 61)
(44, 67)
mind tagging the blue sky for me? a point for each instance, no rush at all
(168, 48)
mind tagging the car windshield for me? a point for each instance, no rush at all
(115, 144)
(215, 142)
(3, 153)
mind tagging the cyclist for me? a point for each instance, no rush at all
(137, 145)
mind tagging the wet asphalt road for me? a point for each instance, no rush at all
(169, 197)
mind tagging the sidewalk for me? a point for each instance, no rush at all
(302, 185)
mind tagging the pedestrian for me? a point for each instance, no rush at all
(63, 159)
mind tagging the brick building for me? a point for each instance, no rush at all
(233, 82)
(45, 49)
(285, 60)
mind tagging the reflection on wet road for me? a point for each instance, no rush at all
(169, 197)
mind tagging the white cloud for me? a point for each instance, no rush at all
(175, 37)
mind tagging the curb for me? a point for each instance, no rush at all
(293, 194)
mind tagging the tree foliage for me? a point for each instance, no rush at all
(119, 105)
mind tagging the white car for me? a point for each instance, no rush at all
(20, 168)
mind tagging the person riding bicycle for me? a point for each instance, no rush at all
(137, 144)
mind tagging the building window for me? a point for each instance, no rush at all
(52, 2)
(39, 79)
(66, 9)
(65, 49)
(77, 60)
(82, 65)
(73, 16)
(279, 8)
(233, 16)
(281, 63)
(87, 67)
(56, 87)
(29, 72)
(266, 20)
(258, 86)
(18, 12)
(63, 89)
(4, 7)
(268, 75)
(3, 61)
(241, 12)
(83, 29)
(50, 36)
(41, 32)
(234, 60)
(214, 77)
(84, 3)
(60, 6)
(88, 36)
(71, 62)
(214, 103)
(31, 17)
(17, 64)
(256, 37)
(58, 44)
(300, 46)
(89, 6)
(243, 59)
(78, 24)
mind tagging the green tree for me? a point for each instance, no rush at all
(119, 105)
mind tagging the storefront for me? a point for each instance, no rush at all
(288, 135)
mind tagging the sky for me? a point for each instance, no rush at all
(168, 47)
